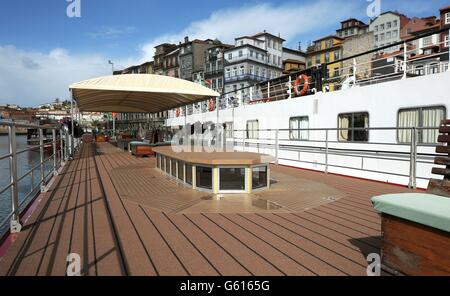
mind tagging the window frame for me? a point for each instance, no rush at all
(204, 189)
(229, 133)
(268, 177)
(299, 118)
(353, 131)
(246, 174)
(253, 131)
(420, 109)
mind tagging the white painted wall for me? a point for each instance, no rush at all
(382, 101)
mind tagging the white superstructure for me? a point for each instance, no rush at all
(380, 154)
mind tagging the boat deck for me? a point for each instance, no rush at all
(87, 211)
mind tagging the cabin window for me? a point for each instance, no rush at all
(259, 177)
(232, 179)
(189, 174)
(353, 127)
(173, 170)
(181, 170)
(422, 117)
(298, 128)
(167, 164)
(252, 129)
(229, 130)
(203, 177)
(158, 161)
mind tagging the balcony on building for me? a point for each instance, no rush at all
(245, 77)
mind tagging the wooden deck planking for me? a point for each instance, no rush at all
(136, 259)
(252, 261)
(114, 236)
(266, 250)
(29, 252)
(66, 228)
(108, 259)
(220, 258)
(194, 262)
(164, 258)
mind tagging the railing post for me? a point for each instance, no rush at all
(405, 60)
(55, 171)
(413, 159)
(326, 151)
(15, 226)
(243, 140)
(354, 72)
(62, 147)
(72, 150)
(290, 87)
(66, 147)
(41, 159)
(277, 146)
(32, 181)
(268, 90)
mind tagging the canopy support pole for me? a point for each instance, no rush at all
(114, 126)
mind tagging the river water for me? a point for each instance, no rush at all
(25, 162)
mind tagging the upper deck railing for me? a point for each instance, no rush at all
(370, 67)
(52, 156)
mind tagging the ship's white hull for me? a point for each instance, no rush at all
(382, 158)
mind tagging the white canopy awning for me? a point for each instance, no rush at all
(137, 93)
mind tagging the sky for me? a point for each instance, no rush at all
(43, 51)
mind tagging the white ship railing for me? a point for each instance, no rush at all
(324, 142)
(57, 159)
(367, 68)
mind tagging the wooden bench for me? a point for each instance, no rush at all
(145, 148)
(416, 227)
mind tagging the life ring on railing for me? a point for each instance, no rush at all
(211, 105)
(305, 88)
(178, 112)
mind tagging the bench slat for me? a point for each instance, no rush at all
(444, 139)
(442, 172)
(442, 160)
(443, 149)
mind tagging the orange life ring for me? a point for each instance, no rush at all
(178, 112)
(211, 105)
(305, 88)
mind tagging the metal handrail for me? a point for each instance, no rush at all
(59, 158)
(286, 81)
(324, 145)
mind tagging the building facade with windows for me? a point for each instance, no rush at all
(355, 45)
(327, 50)
(214, 66)
(158, 59)
(192, 58)
(293, 60)
(387, 29)
(444, 38)
(254, 59)
(171, 65)
(352, 27)
(425, 59)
